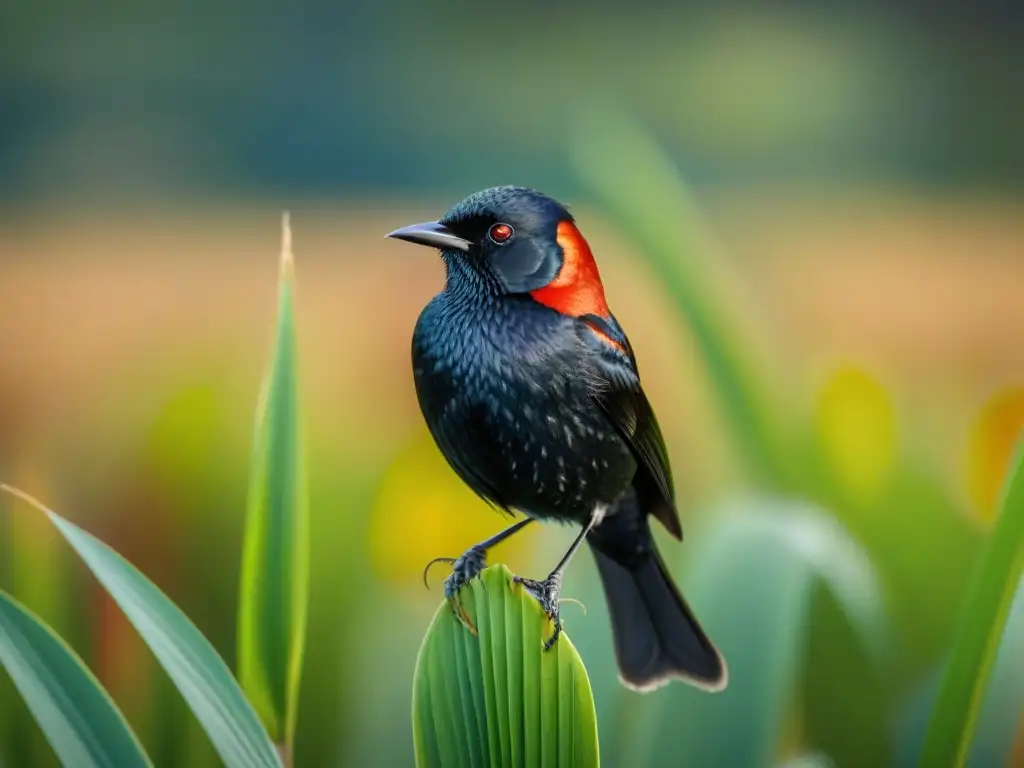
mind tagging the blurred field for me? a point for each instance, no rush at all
(917, 288)
(859, 172)
(132, 349)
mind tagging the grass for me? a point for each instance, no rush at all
(980, 633)
(832, 666)
(72, 707)
(273, 591)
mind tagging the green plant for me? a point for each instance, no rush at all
(973, 656)
(77, 715)
(275, 566)
(762, 569)
(774, 571)
(83, 724)
(487, 693)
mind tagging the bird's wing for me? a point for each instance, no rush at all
(620, 395)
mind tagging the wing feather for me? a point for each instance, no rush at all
(624, 402)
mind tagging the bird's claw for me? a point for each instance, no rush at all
(465, 568)
(431, 564)
(548, 593)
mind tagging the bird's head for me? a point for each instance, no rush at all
(520, 242)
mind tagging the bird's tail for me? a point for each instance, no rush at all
(657, 637)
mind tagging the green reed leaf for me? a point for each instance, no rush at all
(275, 567)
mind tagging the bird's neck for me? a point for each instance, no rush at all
(470, 283)
(475, 316)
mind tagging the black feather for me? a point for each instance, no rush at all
(627, 408)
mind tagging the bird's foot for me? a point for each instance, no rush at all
(465, 568)
(548, 593)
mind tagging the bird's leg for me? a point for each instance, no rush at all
(468, 565)
(549, 591)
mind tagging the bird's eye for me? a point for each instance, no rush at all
(500, 234)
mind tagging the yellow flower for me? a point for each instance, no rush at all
(856, 427)
(990, 449)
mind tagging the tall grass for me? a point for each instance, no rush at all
(73, 709)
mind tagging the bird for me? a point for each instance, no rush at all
(530, 389)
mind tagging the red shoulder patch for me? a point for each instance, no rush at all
(604, 337)
(576, 289)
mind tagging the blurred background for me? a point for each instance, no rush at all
(847, 219)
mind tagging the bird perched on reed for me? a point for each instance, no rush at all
(531, 390)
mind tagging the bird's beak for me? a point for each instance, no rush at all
(433, 234)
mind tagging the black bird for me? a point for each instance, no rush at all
(531, 391)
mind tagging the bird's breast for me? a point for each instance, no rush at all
(505, 391)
